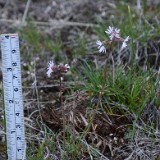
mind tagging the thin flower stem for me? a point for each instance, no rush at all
(73, 125)
(62, 108)
(100, 94)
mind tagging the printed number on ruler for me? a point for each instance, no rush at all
(13, 96)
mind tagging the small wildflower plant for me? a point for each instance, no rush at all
(56, 69)
(59, 70)
(114, 36)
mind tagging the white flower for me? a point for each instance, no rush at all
(110, 30)
(50, 70)
(67, 66)
(113, 32)
(101, 47)
(124, 44)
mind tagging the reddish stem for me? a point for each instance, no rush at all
(100, 93)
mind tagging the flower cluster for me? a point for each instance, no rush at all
(56, 68)
(114, 37)
(113, 33)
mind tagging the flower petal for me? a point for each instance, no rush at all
(126, 39)
(49, 72)
(67, 66)
(124, 45)
(102, 49)
(113, 32)
(99, 43)
(50, 65)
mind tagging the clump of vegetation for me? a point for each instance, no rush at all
(113, 102)
(103, 105)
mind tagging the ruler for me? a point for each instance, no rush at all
(12, 85)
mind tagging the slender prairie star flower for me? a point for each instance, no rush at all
(101, 47)
(124, 44)
(114, 36)
(57, 69)
(113, 32)
(50, 70)
(64, 68)
(67, 67)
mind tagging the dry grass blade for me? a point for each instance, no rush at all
(54, 23)
(25, 12)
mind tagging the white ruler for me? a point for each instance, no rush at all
(13, 96)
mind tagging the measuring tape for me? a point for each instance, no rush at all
(13, 96)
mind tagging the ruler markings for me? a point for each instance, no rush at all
(14, 118)
(13, 96)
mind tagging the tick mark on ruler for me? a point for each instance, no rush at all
(7, 36)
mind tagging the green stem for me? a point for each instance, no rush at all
(100, 94)
(62, 108)
(132, 34)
